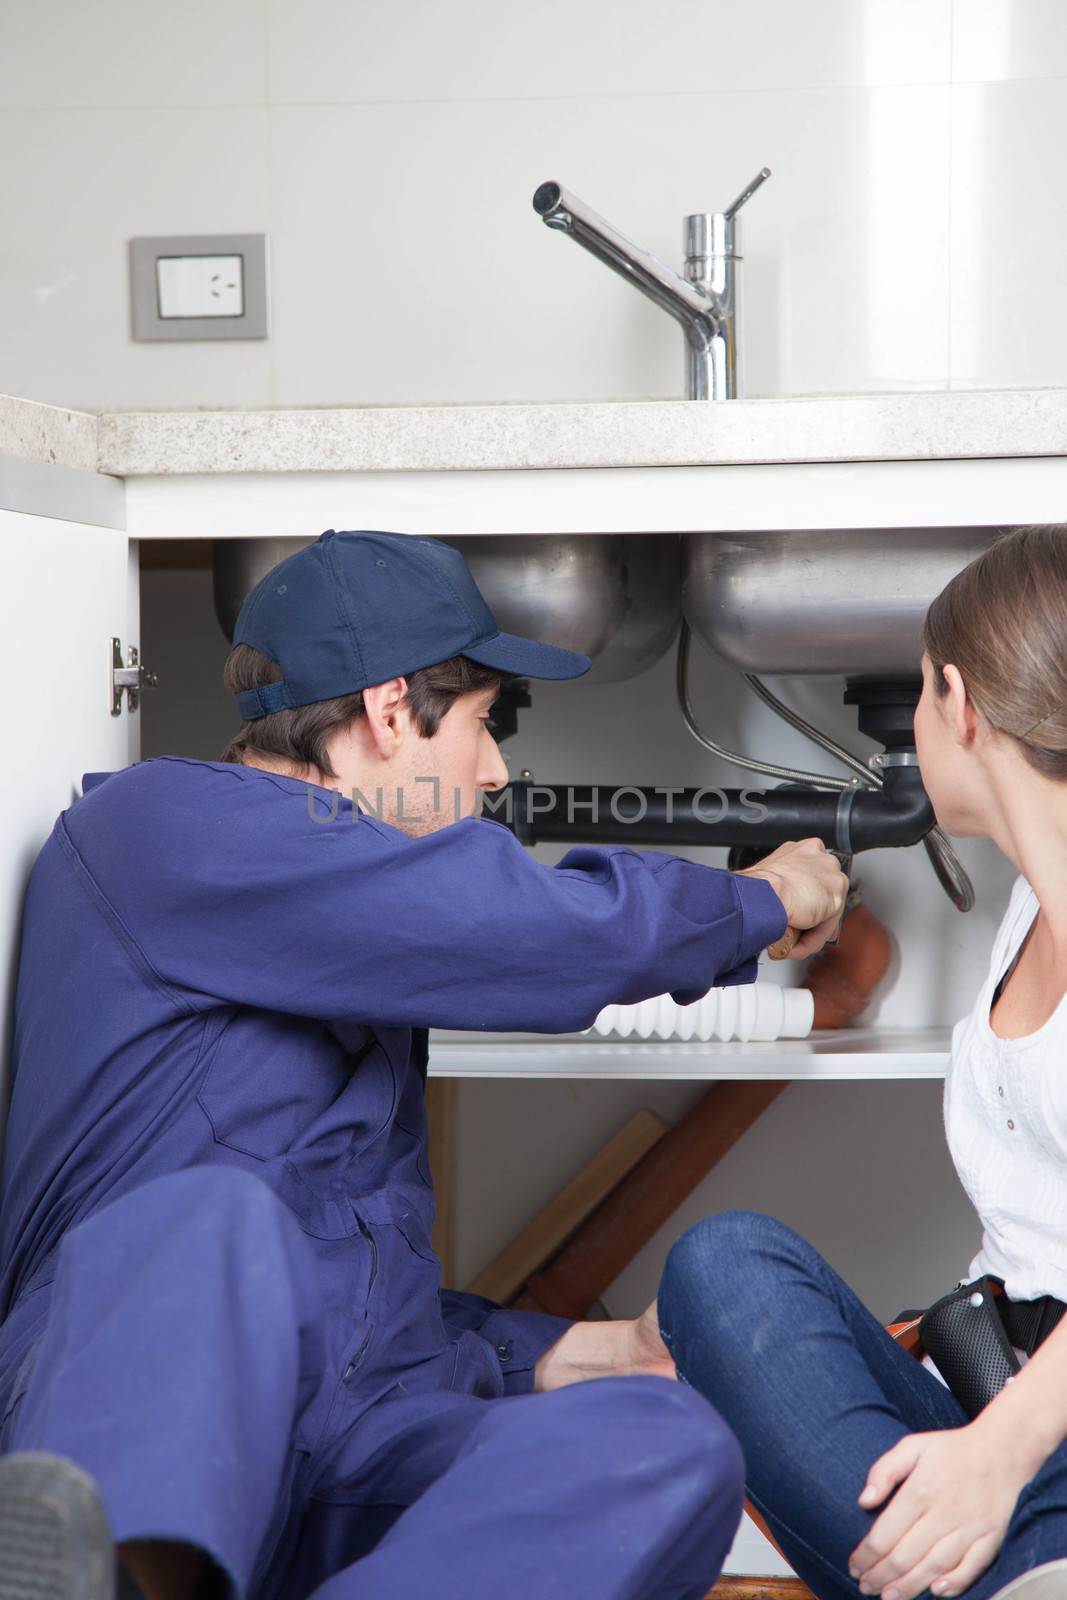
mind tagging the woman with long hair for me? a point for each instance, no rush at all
(873, 1476)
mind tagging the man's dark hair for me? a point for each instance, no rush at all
(301, 734)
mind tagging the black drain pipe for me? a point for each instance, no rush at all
(898, 813)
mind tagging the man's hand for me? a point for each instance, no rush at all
(605, 1350)
(948, 1517)
(809, 882)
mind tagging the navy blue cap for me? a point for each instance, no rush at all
(354, 609)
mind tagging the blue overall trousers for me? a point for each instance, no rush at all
(219, 1292)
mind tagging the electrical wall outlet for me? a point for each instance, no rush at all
(200, 286)
(210, 287)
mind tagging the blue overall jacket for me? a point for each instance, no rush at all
(220, 964)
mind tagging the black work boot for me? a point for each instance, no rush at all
(55, 1542)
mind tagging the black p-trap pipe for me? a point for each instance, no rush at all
(856, 819)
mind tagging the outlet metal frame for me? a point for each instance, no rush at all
(146, 322)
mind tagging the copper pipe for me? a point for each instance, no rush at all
(647, 1197)
(842, 976)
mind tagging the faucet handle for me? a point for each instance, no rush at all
(746, 194)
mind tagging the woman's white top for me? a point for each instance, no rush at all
(1006, 1121)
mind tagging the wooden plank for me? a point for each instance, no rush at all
(621, 1225)
(743, 1587)
(442, 1095)
(531, 1248)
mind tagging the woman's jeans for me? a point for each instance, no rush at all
(816, 1390)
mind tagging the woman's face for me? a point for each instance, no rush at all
(947, 766)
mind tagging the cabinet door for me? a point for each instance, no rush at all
(65, 590)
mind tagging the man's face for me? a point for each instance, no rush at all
(426, 784)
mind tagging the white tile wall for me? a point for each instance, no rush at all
(909, 237)
(1009, 231)
(483, 50)
(417, 221)
(75, 185)
(112, 53)
(995, 40)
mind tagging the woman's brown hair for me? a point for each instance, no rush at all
(1002, 622)
(302, 734)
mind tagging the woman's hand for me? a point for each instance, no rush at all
(947, 1520)
(606, 1350)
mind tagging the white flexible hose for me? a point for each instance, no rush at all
(746, 1011)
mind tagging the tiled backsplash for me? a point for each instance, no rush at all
(911, 236)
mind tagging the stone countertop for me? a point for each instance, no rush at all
(921, 425)
(30, 431)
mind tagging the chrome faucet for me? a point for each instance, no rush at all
(705, 300)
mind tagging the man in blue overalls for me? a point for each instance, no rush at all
(220, 1298)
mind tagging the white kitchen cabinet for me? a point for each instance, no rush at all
(68, 588)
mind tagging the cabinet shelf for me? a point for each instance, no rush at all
(849, 1054)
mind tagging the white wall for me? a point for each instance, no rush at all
(911, 236)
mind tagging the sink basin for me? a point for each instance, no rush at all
(615, 597)
(842, 601)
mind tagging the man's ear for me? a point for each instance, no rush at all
(386, 715)
(959, 707)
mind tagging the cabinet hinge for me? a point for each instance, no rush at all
(129, 679)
